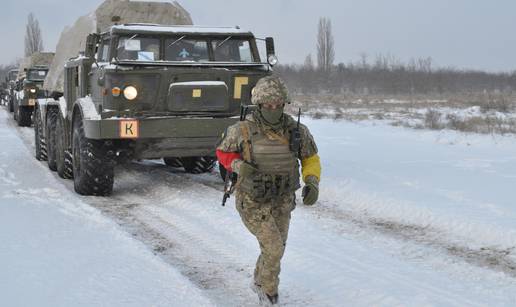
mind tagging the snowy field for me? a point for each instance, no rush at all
(406, 218)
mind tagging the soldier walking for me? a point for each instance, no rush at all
(265, 150)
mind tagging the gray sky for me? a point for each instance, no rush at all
(476, 34)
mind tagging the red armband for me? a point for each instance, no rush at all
(226, 158)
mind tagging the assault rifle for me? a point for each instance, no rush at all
(295, 138)
(246, 109)
(229, 186)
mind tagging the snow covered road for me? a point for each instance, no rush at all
(55, 250)
(406, 218)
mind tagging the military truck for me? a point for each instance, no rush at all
(30, 86)
(147, 91)
(11, 84)
(3, 93)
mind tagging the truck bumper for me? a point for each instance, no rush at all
(152, 138)
(28, 102)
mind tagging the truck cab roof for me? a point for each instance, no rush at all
(179, 30)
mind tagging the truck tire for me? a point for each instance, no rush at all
(173, 162)
(93, 168)
(39, 139)
(15, 111)
(63, 156)
(198, 165)
(24, 117)
(51, 139)
(11, 105)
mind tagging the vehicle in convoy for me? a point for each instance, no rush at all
(11, 85)
(28, 91)
(3, 93)
(144, 91)
(29, 86)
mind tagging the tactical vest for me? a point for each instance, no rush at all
(278, 167)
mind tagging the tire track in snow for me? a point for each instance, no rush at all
(490, 257)
(178, 235)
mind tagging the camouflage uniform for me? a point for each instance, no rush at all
(267, 218)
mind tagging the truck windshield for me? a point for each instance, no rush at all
(136, 48)
(13, 75)
(185, 49)
(36, 75)
(232, 50)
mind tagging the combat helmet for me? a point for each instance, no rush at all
(270, 89)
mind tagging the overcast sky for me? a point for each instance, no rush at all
(477, 34)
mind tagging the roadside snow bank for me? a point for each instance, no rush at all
(58, 251)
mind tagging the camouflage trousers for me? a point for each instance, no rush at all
(269, 223)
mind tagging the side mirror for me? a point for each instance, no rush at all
(91, 45)
(271, 51)
(269, 45)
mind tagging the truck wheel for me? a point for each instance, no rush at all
(173, 162)
(51, 137)
(63, 157)
(39, 139)
(11, 106)
(24, 117)
(93, 169)
(15, 112)
(198, 165)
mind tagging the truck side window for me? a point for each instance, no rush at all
(104, 57)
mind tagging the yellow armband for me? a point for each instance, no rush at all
(311, 167)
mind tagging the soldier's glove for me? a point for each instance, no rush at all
(246, 169)
(311, 190)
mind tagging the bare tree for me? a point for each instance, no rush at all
(325, 45)
(309, 63)
(33, 37)
(363, 61)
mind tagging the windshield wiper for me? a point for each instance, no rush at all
(176, 41)
(132, 37)
(224, 41)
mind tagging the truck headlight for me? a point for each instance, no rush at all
(273, 60)
(33, 90)
(130, 93)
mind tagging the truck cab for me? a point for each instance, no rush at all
(144, 91)
(30, 88)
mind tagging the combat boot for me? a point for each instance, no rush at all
(265, 299)
(273, 299)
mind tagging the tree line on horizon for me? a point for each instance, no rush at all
(385, 74)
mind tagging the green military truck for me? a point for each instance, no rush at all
(11, 85)
(143, 91)
(30, 86)
(28, 91)
(3, 93)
